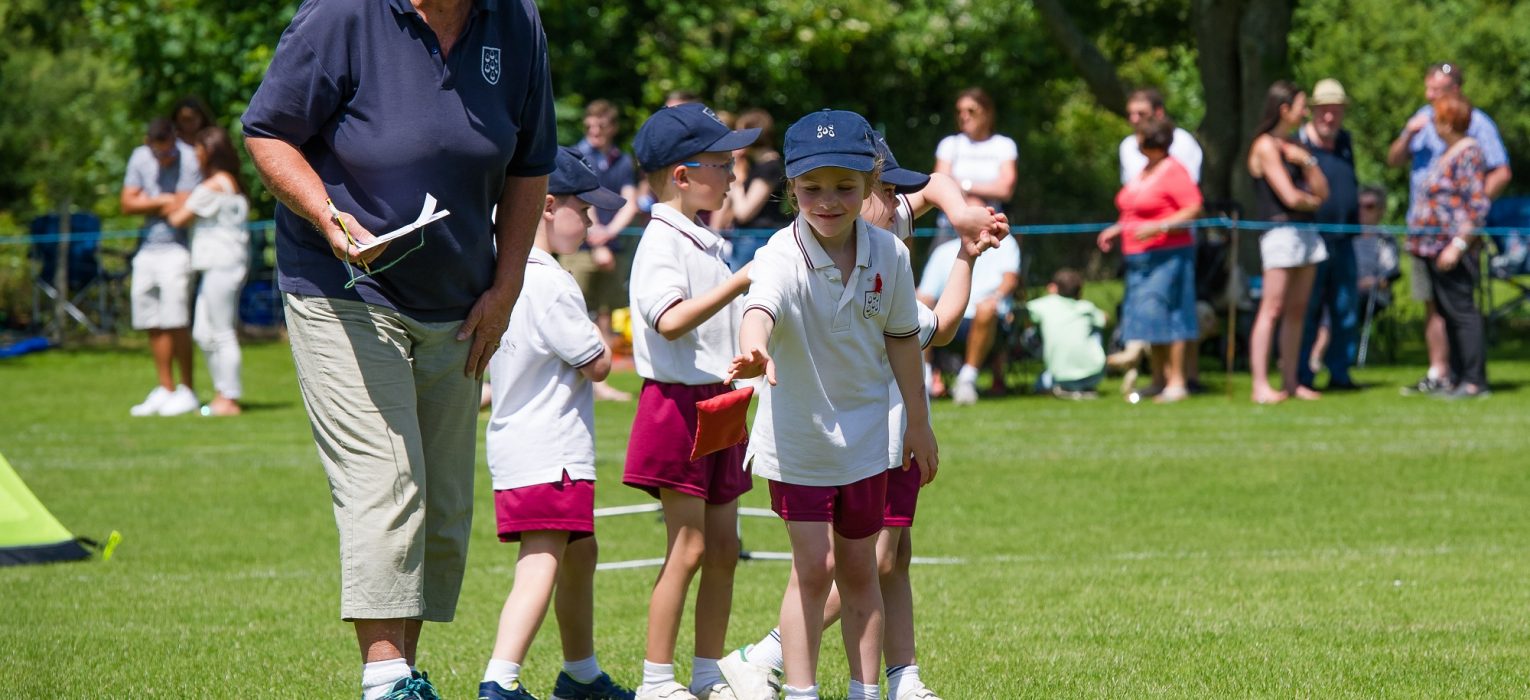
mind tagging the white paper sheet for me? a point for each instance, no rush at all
(428, 214)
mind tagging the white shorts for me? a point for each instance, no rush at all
(1289, 246)
(162, 288)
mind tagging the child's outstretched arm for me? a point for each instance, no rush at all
(686, 315)
(918, 438)
(973, 223)
(754, 357)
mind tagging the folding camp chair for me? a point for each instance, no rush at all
(88, 300)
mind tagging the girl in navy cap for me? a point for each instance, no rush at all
(685, 309)
(831, 296)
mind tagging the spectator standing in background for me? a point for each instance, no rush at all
(1141, 105)
(757, 202)
(1420, 145)
(1333, 288)
(981, 161)
(1452, 203)
(190, 116)
(1288, 188)
(601, 266)
(160, 176)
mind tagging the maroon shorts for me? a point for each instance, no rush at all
(659, 450)
(567, 505)
(902, 496)
(855, 509)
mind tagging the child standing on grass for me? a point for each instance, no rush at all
(541, 450)
(832, 296)
(903, 195)
(686, 310)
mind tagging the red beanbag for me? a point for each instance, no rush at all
(722, 422)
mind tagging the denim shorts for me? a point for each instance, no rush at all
(1160, 296)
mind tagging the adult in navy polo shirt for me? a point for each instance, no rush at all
(1335, 286)
(373, 104)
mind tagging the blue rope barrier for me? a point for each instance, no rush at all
(267, 226)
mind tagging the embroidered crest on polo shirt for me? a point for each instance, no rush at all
(874, 299)
(491, 65)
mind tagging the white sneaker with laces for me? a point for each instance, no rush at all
(920, 693)
(668, 690)
(718, 691)
(964, 393)
(151, 403)
(180, 401)
(749, 680)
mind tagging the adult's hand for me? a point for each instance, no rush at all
(347, 248)
(1107, 238)
(1448, 258)
(485, 326)
(603, 258)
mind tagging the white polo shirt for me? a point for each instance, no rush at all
(542, 421)
(825, 423)
(903, 220)
(1183, 148)
(677, 260)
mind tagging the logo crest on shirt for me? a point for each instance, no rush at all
(491, 65)
(874, 299)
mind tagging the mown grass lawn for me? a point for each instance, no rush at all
(1367, 545)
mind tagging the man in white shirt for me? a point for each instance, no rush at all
(1145, 103)
(995, 276)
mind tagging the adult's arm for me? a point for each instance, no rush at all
(520, 206)
(1496, 180)
(294, 183)
(1399, 152)
(1271, 158)
(747, 203)
(623, 218)
(976, 225)
(136, 203)
(1001, 188)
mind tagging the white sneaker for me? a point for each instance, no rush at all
(668, 690)
(749, 680)
(180, 401)
(964, 393)
(718, 691)
(920, 693)
(151, 404)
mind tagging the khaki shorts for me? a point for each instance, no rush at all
(396, 424)
(603, 290)
(161, 288)
(1418, 278)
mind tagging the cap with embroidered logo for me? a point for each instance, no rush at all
(830, 139)
(678, 133)
(903, 180)
(575, 176)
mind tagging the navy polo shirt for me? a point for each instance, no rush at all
(1338, 165)
(362, 89)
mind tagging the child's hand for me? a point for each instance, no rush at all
(752, 364)
(976, 226)
(919, 448)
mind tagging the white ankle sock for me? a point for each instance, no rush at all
(902, 678)
(862, 691)
(654, 674)
(704, 674)
(505, 673)
(378, 677)
(968, 373)
(808, 693)
(583, 670)
(768, 652)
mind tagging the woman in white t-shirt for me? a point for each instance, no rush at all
(217, 211)
(981, 160)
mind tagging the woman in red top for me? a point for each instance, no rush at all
(1454, 203)
(1160, 258)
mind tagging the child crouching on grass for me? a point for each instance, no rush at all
(830, 296)
(903, 195)
(1070, 338)
(541, 450)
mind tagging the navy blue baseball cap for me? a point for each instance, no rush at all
(830, 138)
(574, 176)
(903, 180)
(676, 134)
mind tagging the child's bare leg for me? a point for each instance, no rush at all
(575, 603)
(536, 572)
(685, 520)
(894, 552)
(714, 597)
(806, 593)
(855, 570)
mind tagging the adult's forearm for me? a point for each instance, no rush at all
(1496, 180)
(520, 207)
(289, 178)
(1397, 153)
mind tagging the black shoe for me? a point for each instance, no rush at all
(1342, 386)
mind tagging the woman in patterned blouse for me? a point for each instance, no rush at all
(1453, 206)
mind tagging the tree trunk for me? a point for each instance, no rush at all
(1221, 132)
(1097, 70)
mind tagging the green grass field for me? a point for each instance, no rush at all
(1367, 546)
